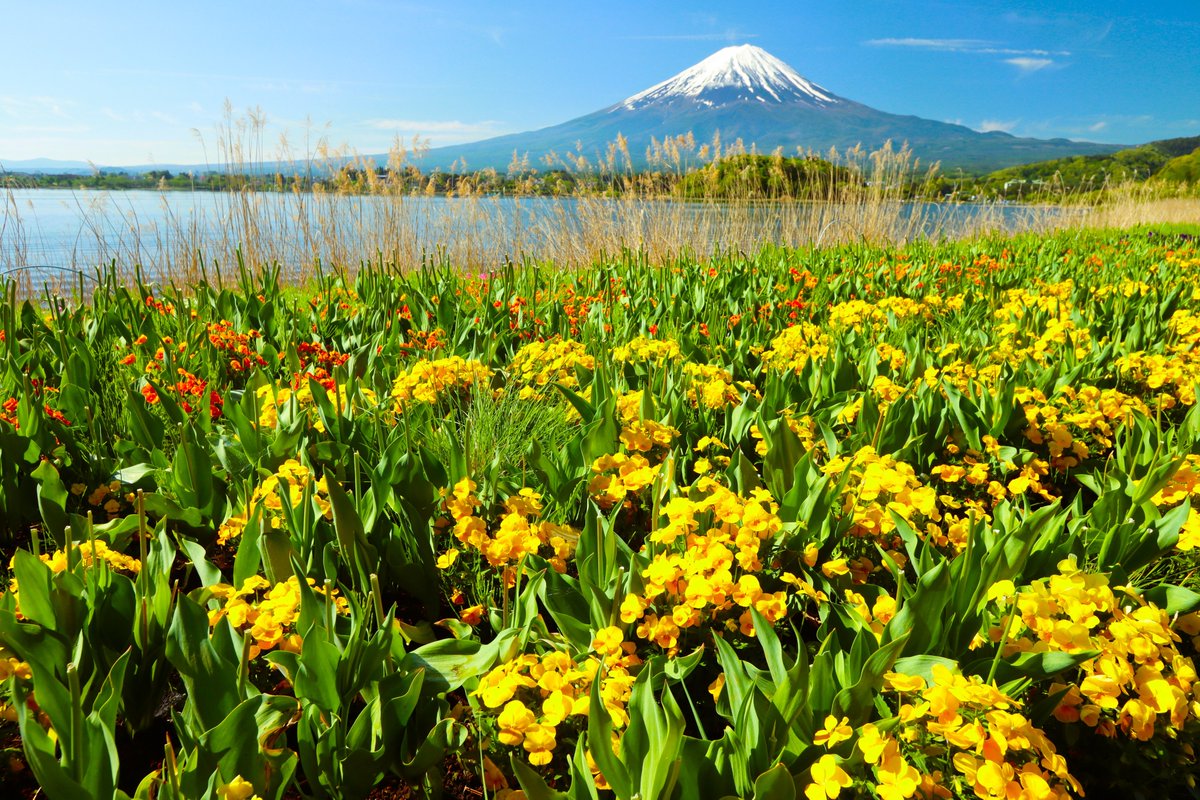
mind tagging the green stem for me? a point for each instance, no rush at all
(72, 748)
(1003, 641)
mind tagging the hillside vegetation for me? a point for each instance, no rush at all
(1174, 160)
(757, 176)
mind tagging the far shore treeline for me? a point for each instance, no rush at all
(1169, 165)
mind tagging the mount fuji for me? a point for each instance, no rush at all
(744, 92)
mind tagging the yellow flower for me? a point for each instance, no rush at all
(540, 741)
(898, 780)
(608, 641)
(898, 682)
(1003, 590)
(837, 566)
(828, 779)
(871, 744)
(835, 730)
(447, 559)
(514, 721)
(716, 686)
(237, 789)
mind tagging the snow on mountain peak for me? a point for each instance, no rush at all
(741, 72)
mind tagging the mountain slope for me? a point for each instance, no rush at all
(745, 93)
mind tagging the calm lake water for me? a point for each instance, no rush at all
(42, 230)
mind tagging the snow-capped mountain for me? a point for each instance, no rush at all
(745, 93)
(732, 75)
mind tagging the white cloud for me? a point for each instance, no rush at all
(1096, 127)
(981, 46)
(1029, 65)
(954, 45)
(1005, 126)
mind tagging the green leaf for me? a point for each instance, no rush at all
(352, 541)
(451, 662)
(923, 666)
(317, 673)
(52, 501)
(211, 681)
(532, 784)
(1040, 666)
(775, 784)
(1173, 599)
(599, 742)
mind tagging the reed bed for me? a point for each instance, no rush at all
(360, 213)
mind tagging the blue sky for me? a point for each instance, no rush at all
(141, 82)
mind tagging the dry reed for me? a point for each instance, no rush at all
(359, 212)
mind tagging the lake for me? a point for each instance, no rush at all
(47, 231)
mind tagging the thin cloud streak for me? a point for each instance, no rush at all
(981, 46)
(1030, 65)
(992, 125)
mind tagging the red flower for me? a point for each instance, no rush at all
(215, 405)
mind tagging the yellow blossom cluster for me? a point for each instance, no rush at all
(291, 478)
(106, 497)
(237, 789)
(272, 398)
(962, 375)
(267, 613)
(860, 314)
(1184, 487)
(644, 350)
(792, 348)
(879, 485)
(1171, 376)
(88, 553)
(713, 452)
(970, 729)
(894, 358)
(516, 534)
(10, 665)
(1139, 683)
(539, 364)
(640, 435)
(537, 695)
(712, 387)
(886, 391)
(1039, 324)
(973, 480)
(1077, 423)
(1124, 288)
(703, 564)
(876, 615)
(619, 476)
(429, 382)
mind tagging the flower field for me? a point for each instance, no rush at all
(841, 522)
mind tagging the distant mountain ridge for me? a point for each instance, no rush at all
(744, 92)
(48, 165)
